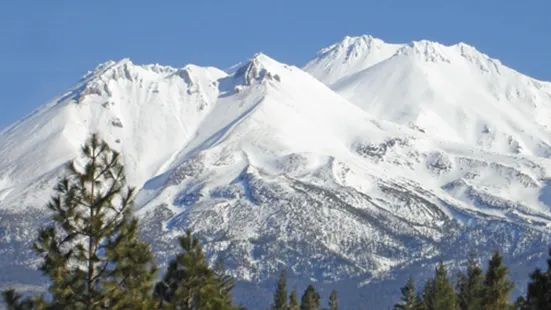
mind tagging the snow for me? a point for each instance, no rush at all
(453, 93)
(394, 153)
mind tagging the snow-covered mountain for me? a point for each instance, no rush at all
(359, 178)
(454, 93)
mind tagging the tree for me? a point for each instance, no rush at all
(14, 302)
(438, 293)
(409, 299)
(497, 285)
(539, 288)
(333, 302)
(310, 299)
(470, 287)
(280, 295)
(226, 283)
(293, 301)
(521, 304)
(427, 296)
(91, 252)
(190, 284)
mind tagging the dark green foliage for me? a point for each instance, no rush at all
(293, 301)
(470, 286)
(409, 300)
(444, 293)
(539, 288)
(189, 283)
(226, 282)
(310, 299)
(333, 302)
(92, 253)
(497, 285)
(521, 304)
(14, 301)
(427, 296)
(438, 293)
(280, 295)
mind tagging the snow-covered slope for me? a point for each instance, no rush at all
(274, 169)
(146, 112)
(350, 56)
(454, 93)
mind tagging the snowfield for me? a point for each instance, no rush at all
(365, 167)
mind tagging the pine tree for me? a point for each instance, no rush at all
(438, 293)
(293, 301)
(92, 253)
(14, 301)
(310, 299)
(427, 296)
(497, 285)
(539, 288)
(333, 302)
(409, 299)
(226, 283)
(521, 304)
(470, 287)
(190, 284)
(280, 295)
(444, 294)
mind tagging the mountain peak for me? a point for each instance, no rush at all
(110, 65)
(409, 156)
(350, 55)
(258, 67)
(427, 50)
(352, 47)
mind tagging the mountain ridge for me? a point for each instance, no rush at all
(274, 169)
(453, 92)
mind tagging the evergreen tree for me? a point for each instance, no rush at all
(293, 301)
(497, 285)
(190, 284)
(427, 296)
(92, 253)
(226, 283)
(521, 304)
(280, 295)
(333, 302)
(439, 293)
(539, 288)
(444, 297)
(14, 301)
(470, 286)
(409, 299)
(310, 299)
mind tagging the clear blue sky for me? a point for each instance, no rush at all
(46, 46)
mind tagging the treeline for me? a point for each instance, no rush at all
(476, 289)
(95, 260)
(311, 299)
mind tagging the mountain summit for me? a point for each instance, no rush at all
(453, 93)
(395, 156)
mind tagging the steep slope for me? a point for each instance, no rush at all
(293, 174)
(350, 56)
(275, 170)
(133, 107)
(454, 93)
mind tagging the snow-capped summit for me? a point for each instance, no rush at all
(351, 55)
(396, 156)
(425, 51)
(132, 107)
(260, 66)
(452, 92)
